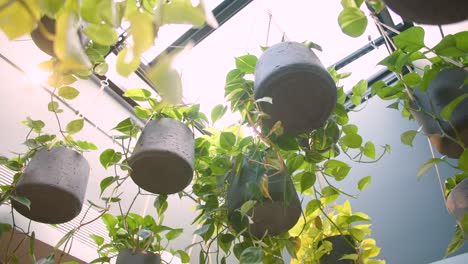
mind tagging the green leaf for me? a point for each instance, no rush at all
(227, 140)
(251, 255)
(356, 100)
(312, 206)
(410, 40)
(67, 45)
(15, 18)
(54, 107)
(184, 257)
(429, 75)
(427, 165)
(218, 112)
(5, 228)
(364, 182)
(126, 66)
(110, 221)
(351, 140)
(448, 47)
(32, 242)
(85, 145)
(174, 233)
(98, 239)
(166, 78)
(246, 63)
(337, 169)
(101, 69)
(369, 150)
(125, 126)
(142, 112)
(22, 200)
(74, 126)
(360, 88)
(447, 111)
(412, 79)
(225, 241)
(307, 181)
(106, 182)
(408, 137)
(138, 94)
(463, 160)
(245, 208)
(456, 243)
(184, 12)
(101, 260)
(353, 21)
(102, 34)
(68, 92)
(109, 157)
(350, 129)
(51, 7)
(312, 45)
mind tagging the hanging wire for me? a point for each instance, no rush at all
(436, 168)
(270, 15)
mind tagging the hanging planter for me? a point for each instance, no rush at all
(273, 216)
(55, 182)
(128, 256)
(446, 86)
(163, 159)
(341, 245)
(432, 12)
(457, 202)
(43, 37)
(302, 91)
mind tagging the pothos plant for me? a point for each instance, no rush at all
(310, 158)
(410, 52)
(100, 21)
(339, 220)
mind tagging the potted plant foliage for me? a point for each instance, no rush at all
(135, 239)
(437, 100)
(335, 236)
(227, 161)
(301, 92)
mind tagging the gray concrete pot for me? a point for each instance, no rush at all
(163, 159)
(341, 246)
(303, 92)
(47, 45)
(269, 216)
(55, 182)
(127, 256)
(457, 201)
(445, 87)
(432, 12)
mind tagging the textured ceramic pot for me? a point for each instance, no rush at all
(446, 86)
(457, 201)
(432, 12)
(303, 92)
(342, 245)
(44, 43)
(273, 216)
(163, 159)
(55, 182)
(127, 256)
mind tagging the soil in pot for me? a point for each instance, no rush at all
(457, 201)
(446, 86)
(302, 91)
(43, 37)
(342, 245)
(432, 12)
(273, 216)
(163, 159)
(128, 256)
(55, 182)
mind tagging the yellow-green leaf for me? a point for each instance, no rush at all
(68, 92)
(74, 126)
(353, 21)
(16, 19)
(264, 187)
(126, 66)
(102, 34)
(184, 12)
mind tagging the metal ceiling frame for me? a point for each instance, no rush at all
(227, 9)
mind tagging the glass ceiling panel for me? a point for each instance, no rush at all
(205, 67)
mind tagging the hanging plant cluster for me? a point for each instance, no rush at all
(245, 187)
